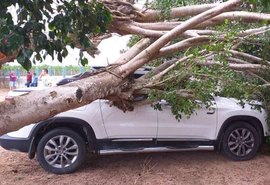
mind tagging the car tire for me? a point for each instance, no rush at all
(240, 141)
(61, 151)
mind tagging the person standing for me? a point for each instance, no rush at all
(28, 78)
(45, 78)
(12, 80)
(35, 81)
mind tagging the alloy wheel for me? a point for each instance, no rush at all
(241, 141)
(61, 151)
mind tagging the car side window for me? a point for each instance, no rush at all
(138, 98)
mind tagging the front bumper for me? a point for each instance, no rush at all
(15, 144)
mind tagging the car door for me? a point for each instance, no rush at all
(201, 125)
(139, 123)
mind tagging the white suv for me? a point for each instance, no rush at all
(61, 143)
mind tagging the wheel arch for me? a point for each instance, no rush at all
(253, 121)
(78, 125)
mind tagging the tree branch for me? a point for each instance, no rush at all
(182, 45)
(154, 15)
(249, 17)
(238, 67)
(249, 57)
(133, 51)
(4, 59)
(151, 51)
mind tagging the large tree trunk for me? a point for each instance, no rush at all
(40, 105)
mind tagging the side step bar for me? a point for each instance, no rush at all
(155, 149)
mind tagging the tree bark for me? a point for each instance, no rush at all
(5, 59)
(40, 105)
(154, 15)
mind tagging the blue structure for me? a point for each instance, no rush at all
(50, 71)
(37, 71)
(18, 73)
(64, 71)
(4, 72)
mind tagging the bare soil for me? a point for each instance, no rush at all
(3, 93)
(185, 168)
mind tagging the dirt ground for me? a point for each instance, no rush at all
(3, 93)
(185, 168)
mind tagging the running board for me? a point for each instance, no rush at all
(157, 149)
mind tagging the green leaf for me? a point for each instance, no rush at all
(51, 34)
(23, 58)
(59, 57)
(64, 52)
(38, 57)
(27, 52)
(84, 61)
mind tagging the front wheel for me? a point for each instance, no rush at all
(240, 142)
(61, 151)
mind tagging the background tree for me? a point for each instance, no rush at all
(196, 51)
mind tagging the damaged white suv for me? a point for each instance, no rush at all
(61, 143)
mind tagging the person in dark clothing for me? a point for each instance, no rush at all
(35, 81)
(28, 79)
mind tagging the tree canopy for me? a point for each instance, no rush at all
(196, 49)
(47, 27)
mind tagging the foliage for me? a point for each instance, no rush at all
(46, 28)
(258, 46)
(133, 40)
(260, 5)
(204, 82)
(166, 5)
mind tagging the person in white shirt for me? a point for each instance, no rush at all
(45, 78)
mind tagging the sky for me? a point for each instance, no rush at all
(109, 51)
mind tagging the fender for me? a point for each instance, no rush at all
(256, 123)
(76, 124)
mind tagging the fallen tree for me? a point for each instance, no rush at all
(193, 49)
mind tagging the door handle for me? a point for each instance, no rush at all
(164, 103)
(211, 111)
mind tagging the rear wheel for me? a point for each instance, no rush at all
(241, 141)
(61, 151)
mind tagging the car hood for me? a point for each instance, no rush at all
(234, 104)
